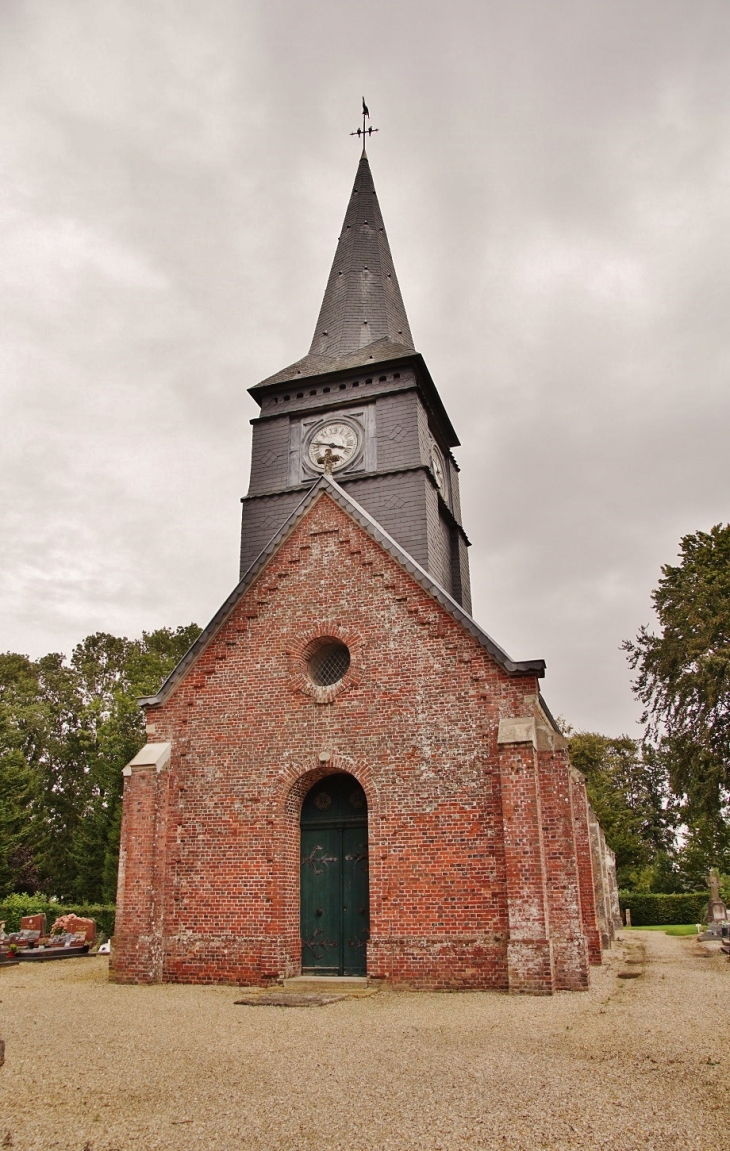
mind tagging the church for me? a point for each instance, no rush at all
(346, 775)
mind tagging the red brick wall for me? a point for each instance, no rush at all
(210, 875)
(584, 860)
(570, 950)
(529, 950)
(137, 957)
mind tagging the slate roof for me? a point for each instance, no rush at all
(327, 484)
(362, 304)
(362, 301)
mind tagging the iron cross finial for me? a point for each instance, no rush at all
(364, 131)
(328, 461)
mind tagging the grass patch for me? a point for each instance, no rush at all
(669, 928)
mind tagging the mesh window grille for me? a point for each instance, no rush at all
(328, 663)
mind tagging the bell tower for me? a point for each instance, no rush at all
(362, 404)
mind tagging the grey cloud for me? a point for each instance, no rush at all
(553, 178)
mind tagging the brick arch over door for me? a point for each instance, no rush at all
(334, 889)
(294, 783)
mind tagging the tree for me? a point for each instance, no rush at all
(67, 728)
(683, 681)
(112, 674)
(23, 732)
(628, 790)
(704, 843)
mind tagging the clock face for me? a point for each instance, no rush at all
(437, 467)
(339, 439)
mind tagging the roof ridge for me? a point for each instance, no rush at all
(426, 580)
(327, 485)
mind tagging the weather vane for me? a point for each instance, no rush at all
(364, 131)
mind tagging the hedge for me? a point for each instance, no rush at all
(13, 907)
(654, 910)
(646, 910)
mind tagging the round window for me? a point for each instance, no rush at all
(328, 662)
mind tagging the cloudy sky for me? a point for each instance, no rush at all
(555, 181)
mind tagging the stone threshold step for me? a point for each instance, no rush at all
(321, 981)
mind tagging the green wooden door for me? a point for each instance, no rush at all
(355, 900)
(335, 910)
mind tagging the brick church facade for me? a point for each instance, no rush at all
(345, 774)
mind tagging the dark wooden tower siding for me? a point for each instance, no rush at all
(363, 366)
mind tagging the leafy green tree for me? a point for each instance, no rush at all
(683, 681)
(24, 725)
(113, 673)
(703, 843)
(63, 769)
(67, 728)
(17, 793)
(628, 790)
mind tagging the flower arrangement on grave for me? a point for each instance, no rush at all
(64, 924)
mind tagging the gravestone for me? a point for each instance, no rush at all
(718, 926)
(33, 923)
(74, 924)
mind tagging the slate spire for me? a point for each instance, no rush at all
(362, 302)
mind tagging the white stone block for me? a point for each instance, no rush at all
(517, 730)
(155, 755)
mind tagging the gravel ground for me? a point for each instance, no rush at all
(635, 1063)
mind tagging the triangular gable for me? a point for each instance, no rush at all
(326, 485)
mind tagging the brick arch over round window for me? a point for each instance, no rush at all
(298, 656)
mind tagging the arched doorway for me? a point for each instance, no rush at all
(334, 888)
